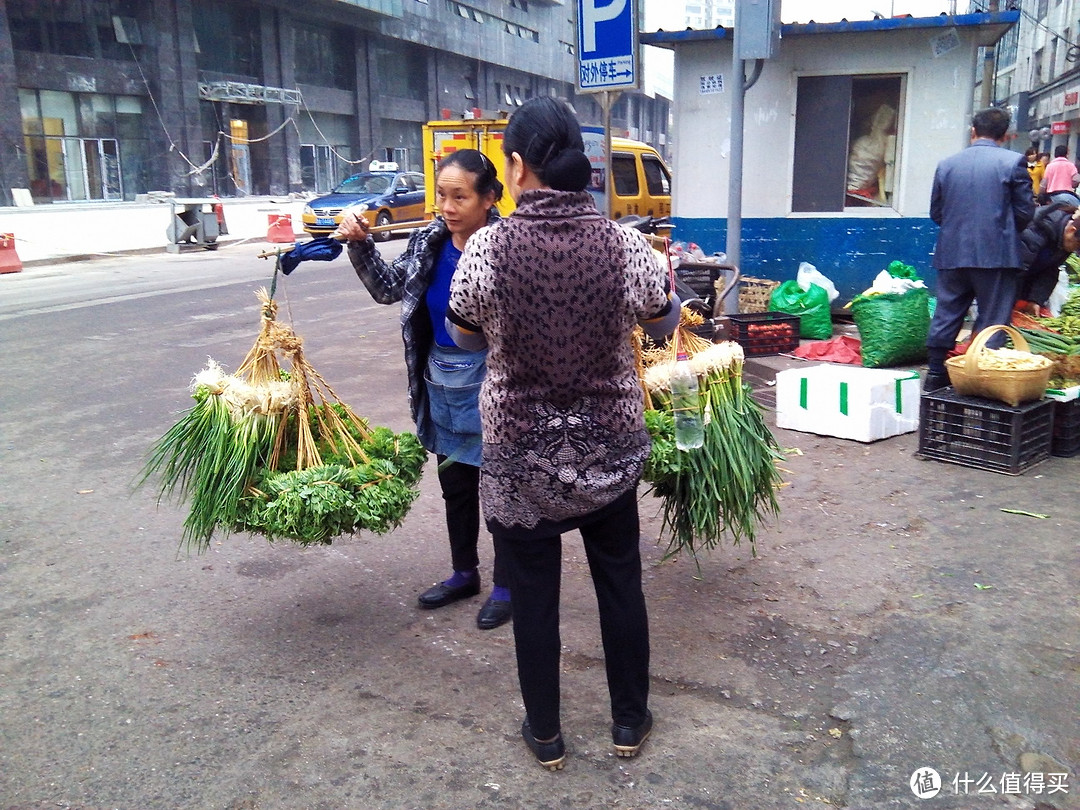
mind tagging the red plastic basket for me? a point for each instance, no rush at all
(761, 333)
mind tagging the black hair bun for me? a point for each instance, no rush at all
(569, 170)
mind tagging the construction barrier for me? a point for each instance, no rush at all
(9, 259)
(219, 211)
(281, 229)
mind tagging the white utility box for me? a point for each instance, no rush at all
(850, 402)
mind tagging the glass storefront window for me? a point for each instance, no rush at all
(79, 148)
(31, 113)
(58, 112)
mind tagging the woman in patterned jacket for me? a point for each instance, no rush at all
(444, 381)
(555, 291)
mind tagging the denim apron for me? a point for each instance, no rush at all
(453, 378)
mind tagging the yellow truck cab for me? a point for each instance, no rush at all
(641, 179)
(443, 137)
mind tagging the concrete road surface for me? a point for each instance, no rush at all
(894, 620)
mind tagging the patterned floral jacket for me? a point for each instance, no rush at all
(557, 289)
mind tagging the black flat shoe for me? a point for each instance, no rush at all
(439, 595)
(552, 755)
(494, 613)
(628, 741)
(934, 382)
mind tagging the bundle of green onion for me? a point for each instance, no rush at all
(235, 457)
(276, 453)
(728, 485)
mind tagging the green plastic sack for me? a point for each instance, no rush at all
(812, 307)
(892, 326)
(897, 269)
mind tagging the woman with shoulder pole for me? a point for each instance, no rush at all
(444, 380)
(555, 291)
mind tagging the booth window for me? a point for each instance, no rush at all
(845, 142)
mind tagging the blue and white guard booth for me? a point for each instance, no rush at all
(842, 132)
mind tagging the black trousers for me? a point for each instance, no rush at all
(992, 288)
(534, 567)
(460, 485)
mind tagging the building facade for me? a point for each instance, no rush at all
(109, 99)
(705, 14)
(1036, 73)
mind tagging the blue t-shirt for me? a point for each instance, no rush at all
(437, 296)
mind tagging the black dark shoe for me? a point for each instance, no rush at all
(494, 613)
(441, 594)
(934, 382)
(552, 755)
(628, 741)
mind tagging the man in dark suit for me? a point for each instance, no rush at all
(982, 200)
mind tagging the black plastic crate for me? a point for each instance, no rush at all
(699, 276)
(984, 433)
(1066, 441)
(743, 331)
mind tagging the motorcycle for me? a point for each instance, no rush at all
(695, 280)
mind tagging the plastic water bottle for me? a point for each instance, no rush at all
(686, 405)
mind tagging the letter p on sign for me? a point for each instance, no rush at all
(593, 12)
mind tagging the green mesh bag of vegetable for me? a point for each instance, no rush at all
(812, 307)
(892, 326)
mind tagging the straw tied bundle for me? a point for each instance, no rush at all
(275, 452)
(728, 485)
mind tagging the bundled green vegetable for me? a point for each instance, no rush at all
(893, 317)
(317, 504)
(1071, 307)
(258, 453)
(1043, 341)
(727, 486)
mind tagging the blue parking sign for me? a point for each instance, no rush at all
(607, 44)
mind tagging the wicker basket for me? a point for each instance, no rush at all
(754, 294)
(1004, 385)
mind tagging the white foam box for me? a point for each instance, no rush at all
(849, 402)
(1063, 394)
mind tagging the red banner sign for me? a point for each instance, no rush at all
(1059, 127)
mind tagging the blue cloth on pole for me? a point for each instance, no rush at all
(319, 249)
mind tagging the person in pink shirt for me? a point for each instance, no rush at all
(1060, 174)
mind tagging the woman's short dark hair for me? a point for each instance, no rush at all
(547, 135)
(480, 166)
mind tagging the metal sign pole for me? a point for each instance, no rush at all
(735, 171)
(609, 98)
(608, 61)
